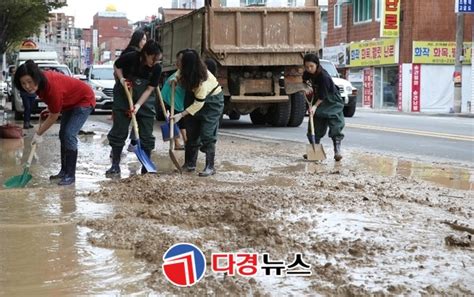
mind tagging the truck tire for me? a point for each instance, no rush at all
(233, 115)
(257, 117)
(349, 110)
(298, 109)
(279, 114)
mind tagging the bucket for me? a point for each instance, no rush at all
(165, 131)
(10, 131)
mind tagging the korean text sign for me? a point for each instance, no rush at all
(439, 52)
(390, 22)
(372, 53)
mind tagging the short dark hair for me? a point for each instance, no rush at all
(311, 57)
(151, 47)
(193, 70)
(30, 68)
(211, 65)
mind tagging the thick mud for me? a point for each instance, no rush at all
(362, 232)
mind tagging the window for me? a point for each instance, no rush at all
(255, 2)
(337, 15)
(378, 9)
(362, 10)
(291, 3)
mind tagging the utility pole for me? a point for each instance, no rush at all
(458, 63)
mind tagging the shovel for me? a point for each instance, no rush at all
(20, 181)
(165, 128)
(142, 157)
(171, 151)
(314, 152)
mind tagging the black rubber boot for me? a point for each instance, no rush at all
(209, 169)
(316, 141)
(27, 125)
(337, 149)
(148, 153)
(70, 176)
(190, 158)
(62, 172)
(116, 154)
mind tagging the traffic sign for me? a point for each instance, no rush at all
(464, 6)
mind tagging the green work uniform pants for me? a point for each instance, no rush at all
(201, 129)
(121, 120)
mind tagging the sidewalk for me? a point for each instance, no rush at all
(432, 114)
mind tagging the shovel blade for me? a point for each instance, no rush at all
(175, 161)
(18, 181)
(144, 159)
(315, 152)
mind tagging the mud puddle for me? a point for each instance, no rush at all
(362, 232)
(43, 251)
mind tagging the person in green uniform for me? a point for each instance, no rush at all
(142, 71)
(204, 113)
(328, 103)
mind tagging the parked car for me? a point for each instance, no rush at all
(17, 104)
(101, 79)
(347, 91)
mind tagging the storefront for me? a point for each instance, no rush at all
(373, 69)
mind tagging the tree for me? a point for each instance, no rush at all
(20, 19)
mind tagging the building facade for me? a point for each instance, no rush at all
(59, 34)
(108, 37)
(399, 53)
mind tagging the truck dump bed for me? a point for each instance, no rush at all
(244, 36)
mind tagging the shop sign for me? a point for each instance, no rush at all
(439, 52)
(464, 6)
(373, 53)
(400, 85)
(368, 87)
(390, 23)
(28, 45)
(415, 87)
(336, 54)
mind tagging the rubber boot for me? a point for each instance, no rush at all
(190, 158)
(337, 149)
(27, 125)
(209, 169)
(70, 176)
(116, 154)
(148, 153)
(310, 139)
(62, 172)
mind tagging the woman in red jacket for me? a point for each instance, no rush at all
(71, 98)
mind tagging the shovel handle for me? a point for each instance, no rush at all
(130, 103)
(173, 86)
(160, 97)
(30, 157)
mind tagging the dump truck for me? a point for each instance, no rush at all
(259, 52)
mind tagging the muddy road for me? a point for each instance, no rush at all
(369, 225)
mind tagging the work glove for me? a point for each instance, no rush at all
(178, 117)
(125, 82)
(37, 139)
(44, 114)
(136, 107)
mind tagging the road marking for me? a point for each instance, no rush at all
(414, 132)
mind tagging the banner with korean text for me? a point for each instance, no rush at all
(415, 87)
(373, 53)
(368, 87)
(390, 22)
(439, 52)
